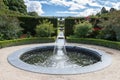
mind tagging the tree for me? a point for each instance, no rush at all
(44, 29)
(112, 9)
(16, 5)
(103, 10)
(9, 28)
(111, 26)
(32, 14)
(2, 6)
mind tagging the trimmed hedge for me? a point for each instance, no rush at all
(100, 42)
(16, 42)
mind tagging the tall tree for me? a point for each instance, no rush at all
(16, 5)
(112, 9)
(103, 10)
(2, 5)
(32, 14)
(111, 27)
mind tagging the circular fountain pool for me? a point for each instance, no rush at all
(77, 60)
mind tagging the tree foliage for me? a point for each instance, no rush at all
(32, 14)
(2, 6)
(112, 9)
(16, 5)
(9, 28)
(111, 26)
(44, 29)
(103, 10)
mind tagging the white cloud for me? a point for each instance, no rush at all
(73, 6)
(95, 4)
(77, 5)
(67, 12)
(83, 2)
(34, 6)
(116, 6)
(84, 13)
(88, 12)
(60, 2)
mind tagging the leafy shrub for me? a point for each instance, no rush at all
(83, 29)
(100, 42)
(44, 29)
(9, 28)
(15, 42)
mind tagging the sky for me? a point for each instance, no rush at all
(70, 7)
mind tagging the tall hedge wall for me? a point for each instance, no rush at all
(29, 23)
(69, 23)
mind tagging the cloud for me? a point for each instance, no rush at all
(75, 4)
(109, 3)
(67, 12)
(117, 5)
(80, 8)
(84, 13)
(34, 6)
(73, 7)
(71, 4)
(88, 12)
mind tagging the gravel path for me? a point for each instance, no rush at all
(9, 72)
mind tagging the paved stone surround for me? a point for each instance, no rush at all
(9, 72)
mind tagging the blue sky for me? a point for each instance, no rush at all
(69, 7)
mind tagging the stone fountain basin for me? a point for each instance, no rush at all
(14, 59)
